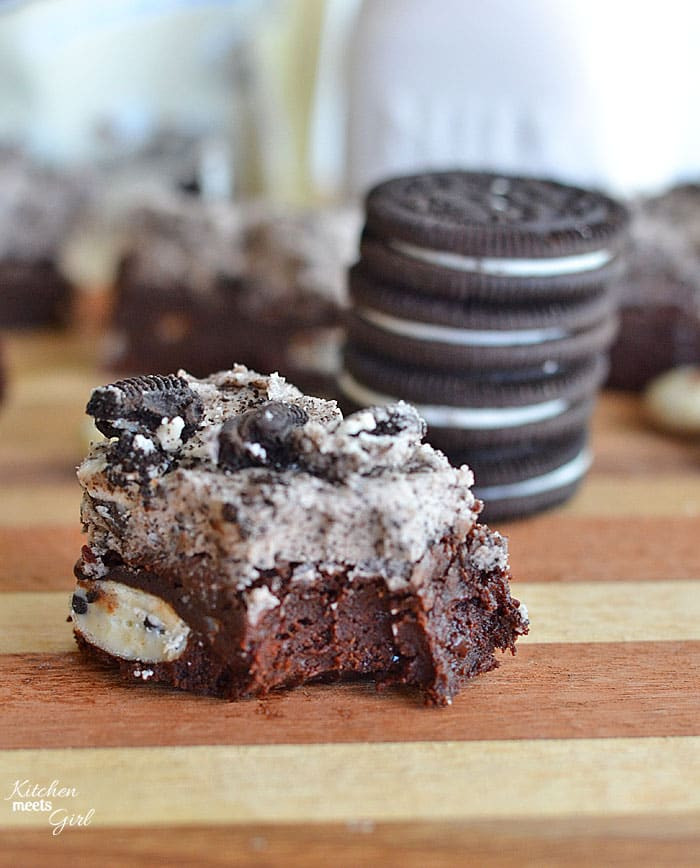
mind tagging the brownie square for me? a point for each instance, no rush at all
(244, 537)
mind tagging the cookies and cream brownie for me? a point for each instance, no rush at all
(38, 208)
(660, 292)
(243, 536)
(202, 284)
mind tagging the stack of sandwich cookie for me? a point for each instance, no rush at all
(486, 301)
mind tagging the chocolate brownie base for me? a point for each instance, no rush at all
(340, 623)
(33, 294)
(164, 330)
(654, 337)
(660, 292)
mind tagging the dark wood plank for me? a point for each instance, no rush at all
(568, 842)
(562, 548)
(40, 559)
(546, 691)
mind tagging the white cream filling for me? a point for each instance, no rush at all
(169, 431)
(470, 418)
(460, 337)
(564, 475)
(131, 624)
(502, 267)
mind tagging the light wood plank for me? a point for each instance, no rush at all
(380, 782)
(575, 612)
(41, 503)
(606, 495)
(546, 691)
(612, 611)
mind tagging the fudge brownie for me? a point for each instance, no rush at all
(244, 537)
(202, 284)
(659, 295)
(38, 209)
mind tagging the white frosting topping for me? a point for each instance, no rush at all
(504, 267)
(352, 490)
(469, 418)
(460, 336)
(258, 601)
(564, 475)
(131, 624)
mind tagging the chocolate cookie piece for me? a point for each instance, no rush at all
(146, 404)
(282, 543)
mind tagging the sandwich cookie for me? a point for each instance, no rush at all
(478, 234)
(485, 301)
(509, 480)
(414, 328)
(476, 408)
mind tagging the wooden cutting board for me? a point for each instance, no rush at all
(583, 749)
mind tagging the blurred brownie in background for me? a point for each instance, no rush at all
(660, 292)
(38, 208)
(203, 284)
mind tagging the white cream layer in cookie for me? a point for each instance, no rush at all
(554, 479)
(128, 623)
(460, 336)
(468, 418)
(507, 267)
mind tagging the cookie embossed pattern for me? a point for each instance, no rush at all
(485, 301)
(244, 537)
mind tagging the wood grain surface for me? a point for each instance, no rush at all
(582, 749)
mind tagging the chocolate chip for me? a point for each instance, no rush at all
(79, 604)
(153, 625)
(398, 418)
(229, 512)
(261, 437)
(141, 403)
